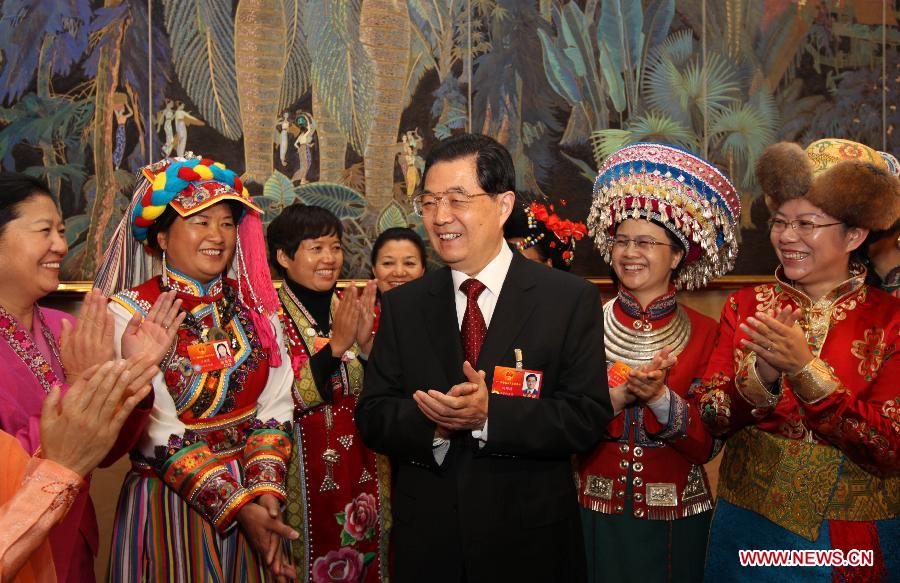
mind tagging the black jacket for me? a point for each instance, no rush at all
(506, 511)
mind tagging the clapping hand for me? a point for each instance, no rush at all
(153, 335)
(464, 407)
(79, 428)
(620, 397)
(91, 340)
(646, 382)
(778, 341)
(345, 323)
(366, 328)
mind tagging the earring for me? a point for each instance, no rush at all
(165, 270)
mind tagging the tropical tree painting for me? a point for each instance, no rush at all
(336, 102)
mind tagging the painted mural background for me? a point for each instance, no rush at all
(334, 102)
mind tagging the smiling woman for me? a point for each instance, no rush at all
(214, 456)
(650, 201)
(804, 375)
(337, 487)
(42, 352)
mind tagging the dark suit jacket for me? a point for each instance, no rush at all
(506, 511)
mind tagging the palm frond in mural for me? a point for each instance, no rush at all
(297, 60)
(343, 80)
(201, 34)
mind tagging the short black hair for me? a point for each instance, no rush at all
(16, 188)
(493, 163)
(164, 221)
(297, 223)
(399, 234)
(531, 376)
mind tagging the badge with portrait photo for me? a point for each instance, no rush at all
(210, 356)
(514, 382)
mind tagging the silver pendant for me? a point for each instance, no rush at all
(331, 457)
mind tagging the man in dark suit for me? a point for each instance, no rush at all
(484, 488)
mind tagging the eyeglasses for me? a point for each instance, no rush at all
(427, 203)
(800, 226)
(645, 244)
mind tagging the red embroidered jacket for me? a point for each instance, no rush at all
(665, 462)
(848, 398)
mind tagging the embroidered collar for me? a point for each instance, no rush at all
(842, 290)
(12, 331)
(659, 309)
(184, 284)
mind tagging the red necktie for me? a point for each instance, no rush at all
(473, 327)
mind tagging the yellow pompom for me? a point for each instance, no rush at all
(203, 172)
(152, 213)
(159, 183)
(220, 165)
(245, 194)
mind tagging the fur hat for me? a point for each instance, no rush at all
(849, 181)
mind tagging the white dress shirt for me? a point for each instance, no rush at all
(492, 276)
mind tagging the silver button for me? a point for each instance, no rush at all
(639, 512)
(619, 508)
(638, 452)
(638, 466)
(620, 493)
(638, 497)
(622, 479)
(623, 448)
(638, 482)
(623, 464)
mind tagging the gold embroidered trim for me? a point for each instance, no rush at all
(751, 387)
(796, 484)
(814, 382)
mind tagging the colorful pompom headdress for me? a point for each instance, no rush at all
(848, 180)
(539, 226)
(684, 193)
(190, 185)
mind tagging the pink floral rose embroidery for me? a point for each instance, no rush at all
(361, 514)
(344, 565)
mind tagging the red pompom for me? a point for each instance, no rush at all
(188, 174)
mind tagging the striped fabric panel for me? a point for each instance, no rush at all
(157, 536)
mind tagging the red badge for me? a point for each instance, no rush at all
(210, 356)
(517, 383)
(617, 374)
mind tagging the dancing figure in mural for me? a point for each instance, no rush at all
(165, 119)
(122, 112)
(304, 144)
(183, 119)
(284, 128)
(411, 164)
